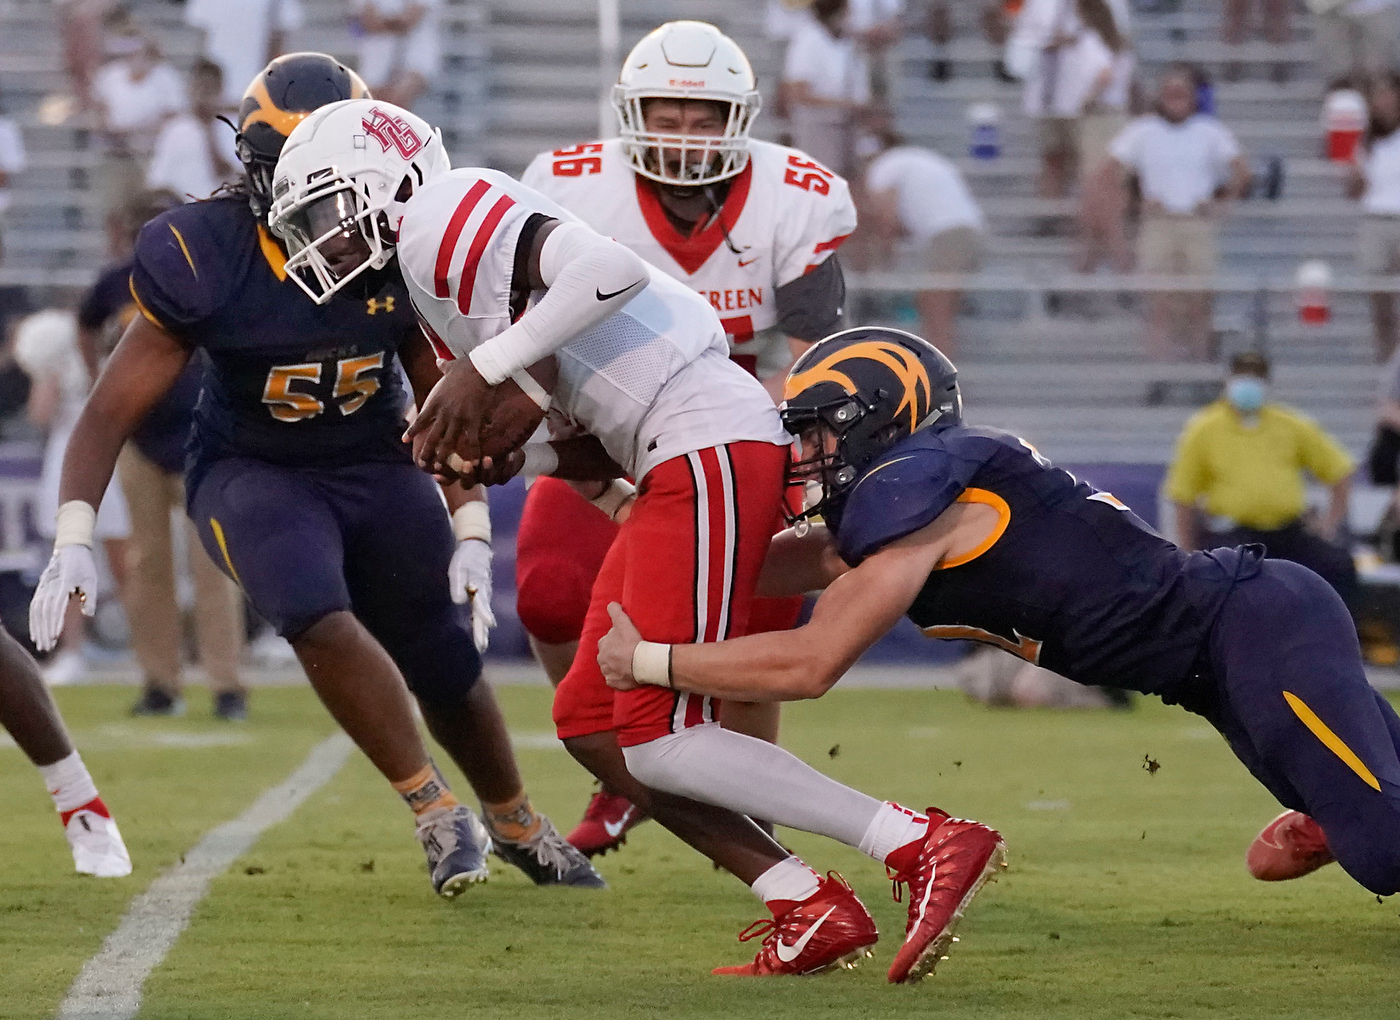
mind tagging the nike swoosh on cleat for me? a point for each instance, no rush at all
(614, 828)
(788, 953)
(608, 297)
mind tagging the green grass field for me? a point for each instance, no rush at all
(1126, 896)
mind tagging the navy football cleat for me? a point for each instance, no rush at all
(456, 844)
(549, 859)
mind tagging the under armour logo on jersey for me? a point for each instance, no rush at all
(392, 131)
(374, 306)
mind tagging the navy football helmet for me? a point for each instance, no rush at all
(277, 100)
(855, 394)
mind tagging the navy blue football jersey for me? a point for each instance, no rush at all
(289, 381)
(1071, 579)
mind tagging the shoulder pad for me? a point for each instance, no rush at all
(190, 260)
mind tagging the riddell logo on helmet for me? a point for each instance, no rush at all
(392, 131)
(685, 83)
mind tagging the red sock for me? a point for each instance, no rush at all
(95, 806)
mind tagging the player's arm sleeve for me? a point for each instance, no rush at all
(587, 277)
(1323, 456)
(166, 282)
(809, 307)
(900, 496)
(1187, 476)
(811, 225)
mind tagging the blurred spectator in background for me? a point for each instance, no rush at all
(151, 469)
(399, 49)
(1275, 25)
(12, 161)
(1066, 52)
(827, 83)
(135, 96)
(1243, 460)
(942, 18)
(80, 28)
(876, 25)
(1103, 197)
(1355, 36)
(1187, 165)
(914, 194)
(195, 152)
(241, 37)
(1375, 181)
(46, 347)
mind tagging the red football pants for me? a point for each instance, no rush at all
(684, 566)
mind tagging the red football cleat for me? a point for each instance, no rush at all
(957, 859)
(1291, 846)
(831, 928)
(605, 823)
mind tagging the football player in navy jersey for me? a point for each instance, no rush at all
(301, 489)
(973, 535)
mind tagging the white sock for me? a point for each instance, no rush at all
(789, 879)
(753, 777)
(891, 828)
(69, 783)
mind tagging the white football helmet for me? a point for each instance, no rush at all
(687, 60)
(344, 176)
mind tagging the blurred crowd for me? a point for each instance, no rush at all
(1142, 168)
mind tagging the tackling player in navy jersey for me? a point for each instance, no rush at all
(973, 535)
(301, 489)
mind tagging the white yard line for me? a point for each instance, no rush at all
(109, 985)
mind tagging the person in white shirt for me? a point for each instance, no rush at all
(399, 49)
(1355, 35)
(12, 161)
(917, 195)
(826, 80)
(242, 37)
(195, 152)
(1068, 54)
(1187, 164)
(135, 96)
(1375, 181)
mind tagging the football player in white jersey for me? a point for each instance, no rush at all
(753, 227)
(505, 283)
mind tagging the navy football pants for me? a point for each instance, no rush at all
(1294, 703)
(372, 538)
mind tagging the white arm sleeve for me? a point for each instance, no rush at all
(588, 279)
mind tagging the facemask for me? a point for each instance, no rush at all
(1245, 393)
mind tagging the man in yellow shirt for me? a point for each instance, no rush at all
(1242, 460)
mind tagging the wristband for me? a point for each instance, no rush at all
(540, 459)
(74, 523)
(611, 499)
(472, 520)
(651, 664)
(532, 389)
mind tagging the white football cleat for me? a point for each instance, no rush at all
(96, 842)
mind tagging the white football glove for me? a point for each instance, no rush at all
(71, 571)
(469, 580)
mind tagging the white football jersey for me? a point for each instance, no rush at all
(785, 213)
(651, 383)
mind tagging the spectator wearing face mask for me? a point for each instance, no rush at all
(1244, 462)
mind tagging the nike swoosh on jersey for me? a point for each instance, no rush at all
(788, 953)
(608, 297)
(613, 828)
(750, 262)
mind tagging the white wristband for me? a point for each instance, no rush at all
(651, 664)
(611, 499)
(540, 459)
(74, 523)
(472, 520)
(532, 389)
